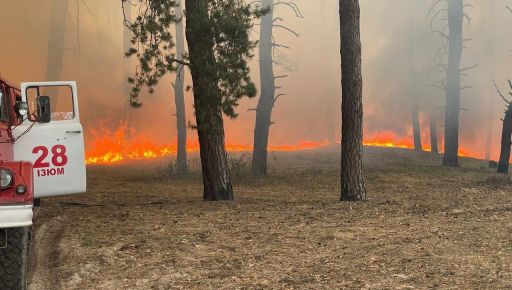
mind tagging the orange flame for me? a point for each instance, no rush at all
(388, 139)
(106, 147)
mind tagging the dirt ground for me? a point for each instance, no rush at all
(142, 228)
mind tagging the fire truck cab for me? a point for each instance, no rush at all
(41, 155)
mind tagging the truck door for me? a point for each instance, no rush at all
(55, 147)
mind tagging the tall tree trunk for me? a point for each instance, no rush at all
(179, 96)
(207, 103)
(451, 139)
(55, 60)
(492, 93)
(352, 181)
(267, 95)
(416, 130)
(433, 131)
(127, 73)
(506, 136)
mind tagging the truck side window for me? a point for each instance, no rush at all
(61, 101)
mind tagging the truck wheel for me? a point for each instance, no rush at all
(14, 257)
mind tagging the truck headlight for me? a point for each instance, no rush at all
(5, 178)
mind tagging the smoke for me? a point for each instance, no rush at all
(398, 48)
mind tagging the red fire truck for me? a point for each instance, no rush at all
(41, 155)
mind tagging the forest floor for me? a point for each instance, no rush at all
(424, 226)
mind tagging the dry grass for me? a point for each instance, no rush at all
(424, 227)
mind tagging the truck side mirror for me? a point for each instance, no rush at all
(43, 109)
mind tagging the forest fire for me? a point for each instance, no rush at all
(388, 139)
(105, 147)
(124, 144)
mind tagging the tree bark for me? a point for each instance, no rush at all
(506, 141)
(207, 103)
(267, 95)
(451, 145)
(433, 132)
(352, 181)
(179, 96)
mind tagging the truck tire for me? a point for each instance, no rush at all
(14, 257)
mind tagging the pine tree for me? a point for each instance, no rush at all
(219, 46)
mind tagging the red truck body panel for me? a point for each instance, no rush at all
(22, 171)
(22, 175)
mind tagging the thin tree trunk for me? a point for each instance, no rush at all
(492, 92)
(412, 83)
(433, 132)
(179, 96)
(506, 141)
(207, 103)
(352, 181)
(267, 95)
(455, 20)
(416, 124)
(127, 73)
(489, 131)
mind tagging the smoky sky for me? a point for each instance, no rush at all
(398, 48)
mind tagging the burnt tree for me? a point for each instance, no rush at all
(352, 181)
(268, 95)
(452, 109)
(506, 135)
(453, 44)
(179, 95)
(454, 72)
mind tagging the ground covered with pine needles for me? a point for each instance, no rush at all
(141, 227)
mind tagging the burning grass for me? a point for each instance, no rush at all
(424, 227)
(125, 145)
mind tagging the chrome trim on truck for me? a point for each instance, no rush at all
(13, 216)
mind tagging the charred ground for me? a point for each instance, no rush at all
(425, 226)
